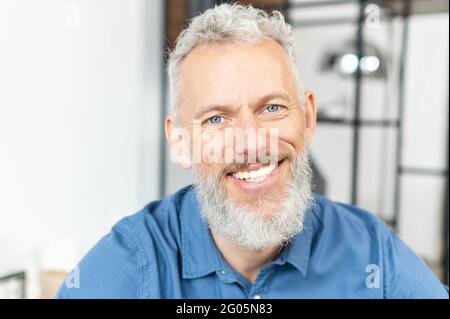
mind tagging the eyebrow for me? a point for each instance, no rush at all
(224, 108)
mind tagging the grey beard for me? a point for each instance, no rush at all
(246, 225)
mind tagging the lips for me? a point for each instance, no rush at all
(256, 178)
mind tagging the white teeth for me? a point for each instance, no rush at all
(258, 175)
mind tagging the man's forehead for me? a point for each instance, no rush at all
(232, 73)
(235, 55)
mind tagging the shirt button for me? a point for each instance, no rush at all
(257, 297)
(223, 272)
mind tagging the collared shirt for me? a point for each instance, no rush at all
(166, 251)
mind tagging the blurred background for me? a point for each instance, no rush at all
(83, 97)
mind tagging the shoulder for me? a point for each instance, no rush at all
(336, 217)
(351, 237)
(121, 263)
(365, 240)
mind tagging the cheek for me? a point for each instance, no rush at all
(293, 135)
(208, 169)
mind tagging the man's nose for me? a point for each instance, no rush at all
(247, 129)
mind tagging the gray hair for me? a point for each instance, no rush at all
(228, 23)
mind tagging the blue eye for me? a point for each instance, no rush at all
(273, 108)
(215, 119)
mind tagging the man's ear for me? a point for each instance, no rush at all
(178, 138)
(310, 110)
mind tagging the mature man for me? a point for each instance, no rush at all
(250, 227)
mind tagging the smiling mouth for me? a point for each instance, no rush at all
(255, 175)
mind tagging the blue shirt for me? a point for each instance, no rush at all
(166, 251)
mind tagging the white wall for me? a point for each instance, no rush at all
(79, 123)
(425, 134)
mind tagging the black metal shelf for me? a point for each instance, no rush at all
(396, 7)
(360, 122)
(16, 275)
(422, 171)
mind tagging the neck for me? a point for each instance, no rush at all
(248, 262)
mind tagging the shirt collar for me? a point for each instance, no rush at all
(200, 255)
(298, 251)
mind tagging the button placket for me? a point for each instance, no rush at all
(258, 286)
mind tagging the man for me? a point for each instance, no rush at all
(250, 227)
